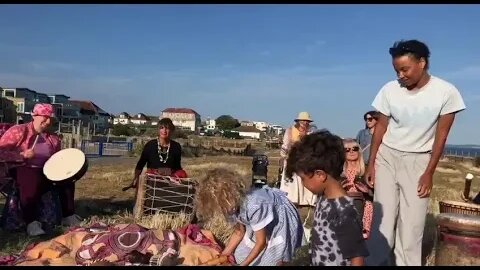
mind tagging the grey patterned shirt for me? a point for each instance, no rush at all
(336, 234)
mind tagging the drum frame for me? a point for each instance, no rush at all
(140, 195)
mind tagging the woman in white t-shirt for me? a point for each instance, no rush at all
(416, 113)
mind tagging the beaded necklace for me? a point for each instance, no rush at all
(161, 152)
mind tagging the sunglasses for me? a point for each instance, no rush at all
(354, 149)
(370, 119)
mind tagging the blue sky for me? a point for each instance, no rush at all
(255, 62)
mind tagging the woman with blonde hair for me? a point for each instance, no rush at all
(294, 188)
(356, 188)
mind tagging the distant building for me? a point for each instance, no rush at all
(247, 124)
(123, 119)
(210, 124)
(140, 119)
(183, 118)
(153, 119)
(41, 98)
(261, 125)
(24, 101)
(8, 111)
(65, 111)
(249, 132)
(278, 129)
(91, 113)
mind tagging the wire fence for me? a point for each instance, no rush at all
(465, 152)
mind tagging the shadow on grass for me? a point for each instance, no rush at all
(429, 239)
(102, 207)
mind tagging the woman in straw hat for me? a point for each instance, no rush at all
(294, 188)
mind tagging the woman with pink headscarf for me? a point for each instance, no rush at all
(36, 145)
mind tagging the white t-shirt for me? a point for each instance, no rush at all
(413, 115)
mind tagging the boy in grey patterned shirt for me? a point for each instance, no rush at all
(337, 235)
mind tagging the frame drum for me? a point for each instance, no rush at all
(65, 166)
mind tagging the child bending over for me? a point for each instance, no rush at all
(337, 233)
(267, 226)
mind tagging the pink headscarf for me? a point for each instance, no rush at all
(43, 109)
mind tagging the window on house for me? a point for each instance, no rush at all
(9, 94)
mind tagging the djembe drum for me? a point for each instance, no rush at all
(159, 192)
(458, 234)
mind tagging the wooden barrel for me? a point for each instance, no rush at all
(458, 240)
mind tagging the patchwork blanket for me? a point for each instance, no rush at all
(122, 244)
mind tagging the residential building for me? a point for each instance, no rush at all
(153, 119)
(277, 129)
(41, 98)
(247, 124)
(210, 124)
(8, 111)
(123, 119)
(24, 101)
(183, 118)
(249, 132)
(65, 111)
(261, 125)
(93, 114)
(140, 119)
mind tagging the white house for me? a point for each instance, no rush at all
(210, 124)
(183, 118)
(247, 124)
(140, 119)
(124, 119)
(249, 132)
(278, 129)
(261, 125)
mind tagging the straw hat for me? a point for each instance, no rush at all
(305, 116)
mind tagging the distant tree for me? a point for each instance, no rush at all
(119, 130)
(226, 122)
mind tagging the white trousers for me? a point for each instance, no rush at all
(295, 190)
(398, 213)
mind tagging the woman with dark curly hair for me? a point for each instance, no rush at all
(268, 228)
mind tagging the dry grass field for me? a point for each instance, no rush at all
(99, 197)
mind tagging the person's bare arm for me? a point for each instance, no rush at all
(260, 245)
(443, 129)
(380, 129)
(235, 239)
(357, 261)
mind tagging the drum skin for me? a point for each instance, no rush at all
(77, 176)
(458, 242)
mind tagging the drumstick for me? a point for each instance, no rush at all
(35, 142)
(127, 188)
